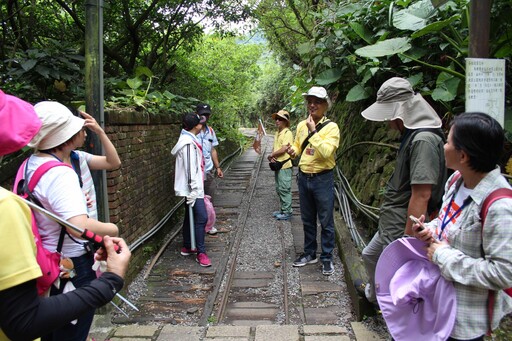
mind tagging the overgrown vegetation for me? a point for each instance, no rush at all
(156, 56)
(351, 47)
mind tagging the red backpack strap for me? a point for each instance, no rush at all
(19, 177)
(453, 180)
(500, 193)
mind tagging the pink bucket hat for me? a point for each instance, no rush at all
(18, 123)
(416, 301)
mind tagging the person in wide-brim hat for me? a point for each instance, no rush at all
(278, 156)
(417, 303)
(416, 185)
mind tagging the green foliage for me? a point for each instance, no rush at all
(135, 33)
(356, 45)
(52, 72)
(222, 72)
(136, 92)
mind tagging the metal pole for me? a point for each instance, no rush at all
(94, 94)
(192, 227)
(479, 28)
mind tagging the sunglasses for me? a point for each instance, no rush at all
(280, 119)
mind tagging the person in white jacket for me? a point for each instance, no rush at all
(189, 183)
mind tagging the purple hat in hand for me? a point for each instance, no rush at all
(416, 301)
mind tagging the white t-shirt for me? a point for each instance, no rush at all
(454, 213)
(59, 192)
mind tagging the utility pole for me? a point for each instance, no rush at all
(479, 28)
(94, 94)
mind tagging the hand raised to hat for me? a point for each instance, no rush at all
(91, 123)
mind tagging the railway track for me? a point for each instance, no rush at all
(251, 281)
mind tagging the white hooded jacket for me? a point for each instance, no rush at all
(188, 174)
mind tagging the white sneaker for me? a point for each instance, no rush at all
(212, 231)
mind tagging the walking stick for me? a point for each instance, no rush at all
(84, 233)
(192, 227)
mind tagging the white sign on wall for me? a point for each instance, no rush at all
(485, 87)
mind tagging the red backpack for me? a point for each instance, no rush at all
(497, 194)
(48, 260)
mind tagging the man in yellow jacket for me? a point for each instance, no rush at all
(316, 141)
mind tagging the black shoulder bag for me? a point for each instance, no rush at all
(306, 141)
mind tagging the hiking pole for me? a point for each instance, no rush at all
(84, 233)
(127, 302)
(192, 227)
(119, 308)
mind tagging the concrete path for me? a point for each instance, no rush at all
(135, 332)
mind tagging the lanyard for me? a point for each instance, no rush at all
(447, 221)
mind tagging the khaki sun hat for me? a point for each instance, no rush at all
(59, 125)
(396, 100)
(283, 114)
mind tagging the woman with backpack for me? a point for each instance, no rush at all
(23, 314)
(59, 192)
(472, 250)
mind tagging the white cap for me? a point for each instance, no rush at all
(319, 92)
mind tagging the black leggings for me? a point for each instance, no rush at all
(480, 338)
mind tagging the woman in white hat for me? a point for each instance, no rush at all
(59, 192)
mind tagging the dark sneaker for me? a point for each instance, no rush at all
(203, 259)
(283, 216)
(276, 213)
(327, 267)
(305, 259)
(360, 287)
(185, 251)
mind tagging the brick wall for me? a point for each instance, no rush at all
(141, 191)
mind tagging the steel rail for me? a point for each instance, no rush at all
(236, 245)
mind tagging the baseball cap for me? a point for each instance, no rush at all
(319, 92)
(192, 119)
(203, 109)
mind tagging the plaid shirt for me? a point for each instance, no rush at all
(478, 259)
